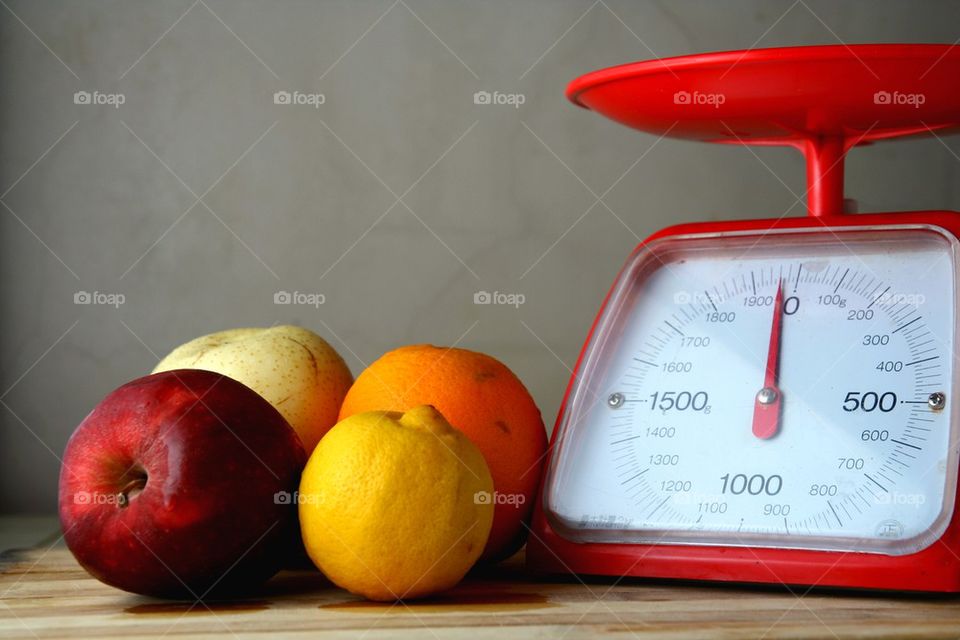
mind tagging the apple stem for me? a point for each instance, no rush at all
(131, 491)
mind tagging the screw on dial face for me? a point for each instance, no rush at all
(937, 401)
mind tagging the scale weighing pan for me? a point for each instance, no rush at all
(822, 100)
(771, 400)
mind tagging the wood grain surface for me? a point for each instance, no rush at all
(45, 594)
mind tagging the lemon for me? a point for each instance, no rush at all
(395, 506)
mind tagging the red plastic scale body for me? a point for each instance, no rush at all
(823, 101)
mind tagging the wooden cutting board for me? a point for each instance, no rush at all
(45, 594)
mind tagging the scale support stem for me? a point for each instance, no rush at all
(825, 157)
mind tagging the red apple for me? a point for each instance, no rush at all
(178, 485)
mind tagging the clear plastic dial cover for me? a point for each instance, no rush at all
(656, 442)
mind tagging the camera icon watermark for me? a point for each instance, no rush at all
(95, 497)
(499, 298)
(697, 98)
(299, 298)
(495, 498)
(98, 98)
(299, 98)
(514, 100)
(909, 299)
(896, 98)
(99, 298)
(295, 497)
(682, 297)
(915, 500)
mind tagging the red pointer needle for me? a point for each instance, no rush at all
(766, 409)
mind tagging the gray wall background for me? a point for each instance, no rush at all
(296, 198)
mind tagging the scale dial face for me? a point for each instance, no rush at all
(792, 390)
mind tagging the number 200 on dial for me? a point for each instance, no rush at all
(792, 391)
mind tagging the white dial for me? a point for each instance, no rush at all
(792, 390)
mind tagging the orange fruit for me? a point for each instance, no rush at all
(482, 398)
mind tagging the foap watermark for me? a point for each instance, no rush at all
(896, 98)
(299, 98)
(498, 98)
(499, 298)
(699, 98)
(299, 298)
(99, 298)
(295, 497)
(915, 500)
(95, 497)
(495, 498)
(909, 299)
(98, 98)
(699, 297)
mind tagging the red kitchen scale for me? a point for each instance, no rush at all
(775, 400)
